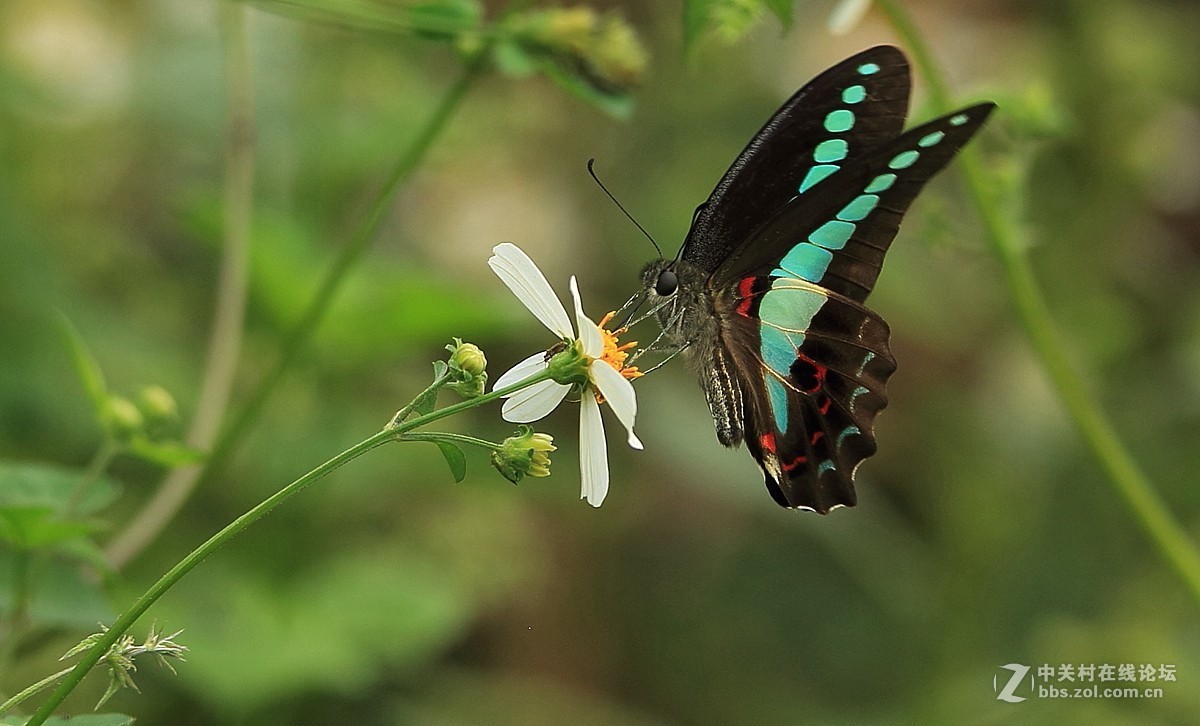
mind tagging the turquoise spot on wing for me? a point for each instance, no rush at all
(883, 182)
(931, 139)
(816, 174)
(903, 160)
(777, 392)
(792, 306)
(830, 150)
(832, 235)
(958, 120)
(848, 431)
(856, 393)
(868, 69)
(777, 347)
(825, 466)
(807, 262)
(839, 120)
(866, 359)
(859, 208)
(854, 94)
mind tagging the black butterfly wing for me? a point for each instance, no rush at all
(829, 124)
(812, 361)
(813, 367)
(837, 234)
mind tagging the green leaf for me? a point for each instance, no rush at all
(34, 527)
(165, 453)
(726, 20)
(618, 105)
(51, 487)
(87, 369)
(65, 596)
(783, 9)
(455, 459)
(426, 402)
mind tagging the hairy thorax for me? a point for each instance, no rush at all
(690, 320)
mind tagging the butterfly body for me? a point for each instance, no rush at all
(767, 295)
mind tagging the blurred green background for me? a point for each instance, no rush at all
(985, 532)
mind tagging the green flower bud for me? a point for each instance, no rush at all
(122, 418)
(467, 357)
(157, 404)
(524, 454)
(468, 369)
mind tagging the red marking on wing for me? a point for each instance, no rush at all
(767, 441)
(816, 437)
(746, 296)
(795, 463)
(824, 409)
(818, 373)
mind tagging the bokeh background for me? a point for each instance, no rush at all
(985, 533)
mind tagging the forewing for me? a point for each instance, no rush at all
(813, 368)
(835, 120)
(837, 234)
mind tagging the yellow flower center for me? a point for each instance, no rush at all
(614, 353)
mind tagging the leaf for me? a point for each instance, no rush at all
(427, 400)
(618, 105)
(34, 527)
(455, 459)
(783, 9)
(170, 454)
(65, 595)
(726, 20)
(49, 486)
(86, 368)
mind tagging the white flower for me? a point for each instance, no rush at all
(607, 379)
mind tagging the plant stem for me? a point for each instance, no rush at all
(442, 378)
(451, 437)
(1006, 241)
(198, 555)
(146, 526)
(98, 465)
(225, 340)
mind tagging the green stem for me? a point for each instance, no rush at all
(225, 340)
(198, 555)
(442, 378)
(164, 505)
(98, 465)
(451, 437)
(1005, 239)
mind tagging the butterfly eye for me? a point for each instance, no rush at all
(667, 283)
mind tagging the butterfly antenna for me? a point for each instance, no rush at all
(623, 210)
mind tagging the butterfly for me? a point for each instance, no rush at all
(766, 297)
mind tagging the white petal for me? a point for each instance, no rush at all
(618, 392)
(535, 363)
(589, 333)
(528, 283)
(846, 15)
(530, 404)
(593, 453)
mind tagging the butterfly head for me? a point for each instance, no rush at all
(675, 291)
